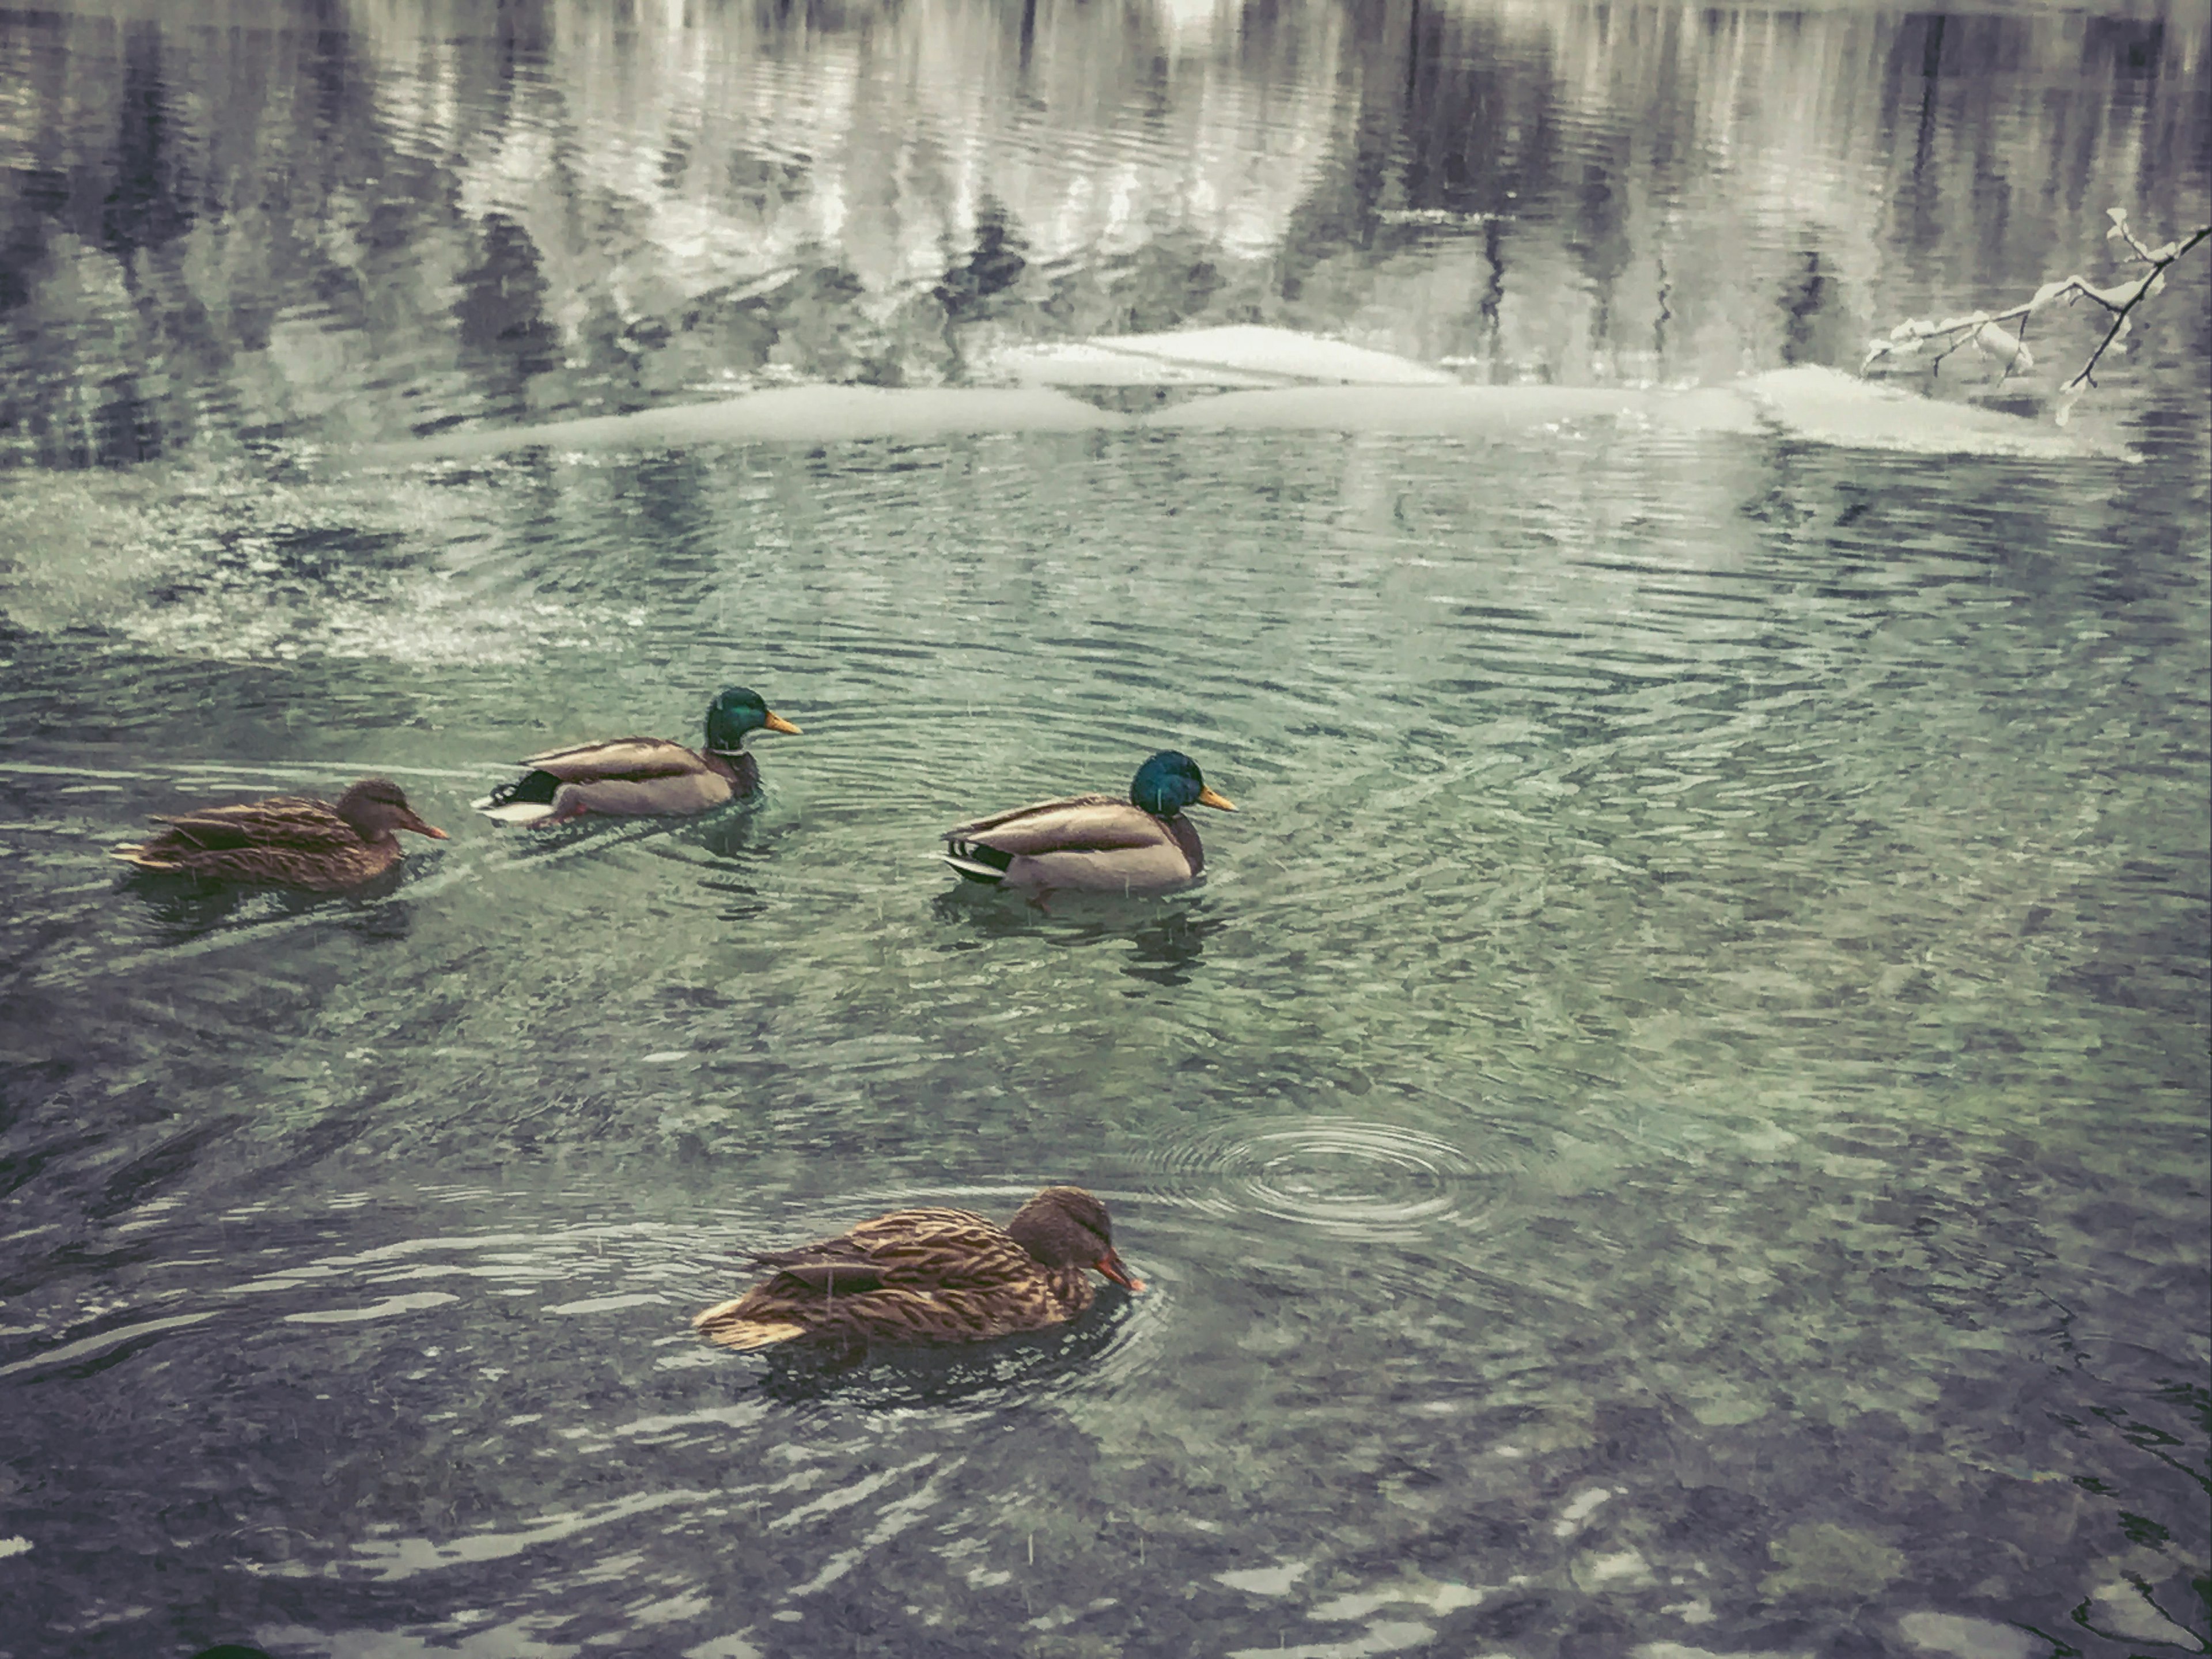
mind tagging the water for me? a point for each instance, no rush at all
(1677, 1116)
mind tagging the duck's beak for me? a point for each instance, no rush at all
(1110, 1265)
(422, 828)
(1209, 798)
(777, 723)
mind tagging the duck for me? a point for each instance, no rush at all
(288, 841)
(930, 1275)
(642, 777)
(1095, 843)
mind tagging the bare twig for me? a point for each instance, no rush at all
(2157, 259)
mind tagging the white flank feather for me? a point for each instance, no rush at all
(971, 867)
(514, 811)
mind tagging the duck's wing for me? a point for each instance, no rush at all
(913, 1275)
(628, 777)
(1078, 823)
(907, 1250)
(292, 821)
(628, 759)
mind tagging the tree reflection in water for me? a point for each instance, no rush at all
(416, 221)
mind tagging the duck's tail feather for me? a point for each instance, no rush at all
(528, 799)
(977, 862)
(719, 1324)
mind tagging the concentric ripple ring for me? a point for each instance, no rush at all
(1347, 1176)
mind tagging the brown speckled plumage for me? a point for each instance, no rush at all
(930, 1275)
(288, 841)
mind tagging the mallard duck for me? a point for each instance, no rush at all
(1095, 843)
(288, 841)
(930, 1276)
(642, 777)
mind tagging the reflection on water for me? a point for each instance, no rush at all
(1674, 1125)
(1161, 945)
(996, 1375)
(224, 229)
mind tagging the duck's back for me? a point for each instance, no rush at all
(923, 1275)
(623, 777)
(294, 821)
(619, 758)
(1074, 823)
(918, 1248)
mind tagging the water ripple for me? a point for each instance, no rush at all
(1350, 1177)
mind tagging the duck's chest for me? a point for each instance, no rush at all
(1070, 1290)
(1186, 837)
(740, 771)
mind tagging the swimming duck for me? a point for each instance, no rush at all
(642, 777)
(930, 1276)
(288, 841)
(1095, 843)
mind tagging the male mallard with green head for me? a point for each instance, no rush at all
(1095, 843)
(288, 841)
(642, 777)
(930, 1276)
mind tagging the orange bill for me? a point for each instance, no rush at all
(777, 723)
(1110, 1265)
(1208, 798)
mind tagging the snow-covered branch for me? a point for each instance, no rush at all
(2002, 335)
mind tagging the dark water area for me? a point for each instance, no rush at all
(1676, 1123)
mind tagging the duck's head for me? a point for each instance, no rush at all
(737, 714)
(1066, 1227)
(376, 807)
(1169, 781)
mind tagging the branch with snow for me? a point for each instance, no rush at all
(1986, 331)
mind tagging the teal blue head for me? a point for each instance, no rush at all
(737, 713)
(1168, 782)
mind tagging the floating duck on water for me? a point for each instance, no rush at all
(288, 841)
(642, 777)
(1095, 843)
(930, 1275)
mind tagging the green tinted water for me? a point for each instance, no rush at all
(1677, 1115)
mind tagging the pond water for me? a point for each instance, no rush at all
(1675, 1123)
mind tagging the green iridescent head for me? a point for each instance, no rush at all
(1169, 781)
(735, 715)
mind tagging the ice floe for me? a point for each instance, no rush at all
(1252, 377)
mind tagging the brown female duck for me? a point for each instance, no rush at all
(288, 841)
(930, 1276)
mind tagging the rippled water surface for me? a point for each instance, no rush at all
(1675, 1123)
